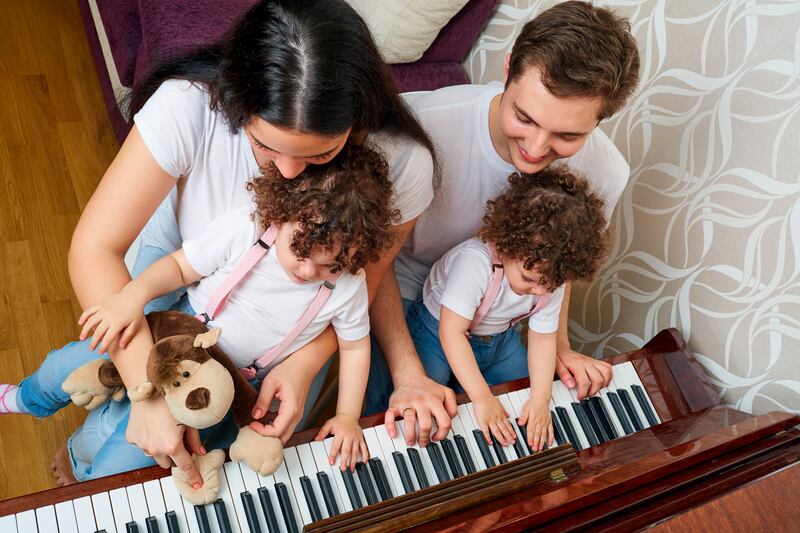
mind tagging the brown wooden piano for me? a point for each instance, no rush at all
(653, 444)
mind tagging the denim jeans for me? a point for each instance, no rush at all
(500, 357)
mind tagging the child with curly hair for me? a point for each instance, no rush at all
(546, 229)
(316, 233)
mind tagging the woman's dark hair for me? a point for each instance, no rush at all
(549, 220)
(305, 65)
(346, 202)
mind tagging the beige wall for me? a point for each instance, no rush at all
(707, 233)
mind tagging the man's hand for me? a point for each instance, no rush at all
(589, 374)
(421, 400)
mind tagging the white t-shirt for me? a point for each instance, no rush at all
(457, 119)
(212, 165)
(460, 280)
(266, 304)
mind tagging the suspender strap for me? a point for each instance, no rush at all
(541, 301)
(495, 282)
(245, 264)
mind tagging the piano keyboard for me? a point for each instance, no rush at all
(306, 488)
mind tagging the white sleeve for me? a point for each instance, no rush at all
(171, 124)
(351, 321)
(545, 320)
(467, 282)
(411, 173)
(223, 238)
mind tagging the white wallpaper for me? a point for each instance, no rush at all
(707, 233)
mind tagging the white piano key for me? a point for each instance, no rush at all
(26, 522)
(8, 523)
(120, 507)
(103, 514)
(236, 488)
(226, 496)
(309, 467)
(635, 380)
(430, 473)
(334, 476)
(281, 475)
(155, 502)
(174, 502)
(376, 450)
(469, 427)
(505, 401)
(251, 485)
(65, 514)
(387, 447)
(612, 414)
(138, 503)
(46, 519)
(84, 515)
(563, 398)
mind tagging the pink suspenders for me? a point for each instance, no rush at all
(217, 301)
(495, 282)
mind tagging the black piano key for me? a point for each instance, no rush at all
(285, 501)
(588, 410)
(466, 455)
(435, 453)
(352, 490)
(100, 531)
(498, 449)
(250, 512)
(566, 423)
(202, 519)
(366, 483)
(311, 500)
(645, 405)
(558, 430)
(131, 527)
(524, 432)
(452, 458)
(585, 425)
(173, 526)
(269, 510)
(327, 494)
(622, 416)
(419, 470)
(379, 475)
(605, 417)
(402, 469)
(521, 442)
(223, 521)
(151, 523)
(628, 404)
(483, 447)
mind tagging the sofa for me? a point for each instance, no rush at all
(127, 37)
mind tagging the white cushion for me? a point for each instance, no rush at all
(404, 29)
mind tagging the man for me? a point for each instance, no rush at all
(571, 67)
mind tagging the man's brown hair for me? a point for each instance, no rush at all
(550, 221)
(347, 202)
(581, 50)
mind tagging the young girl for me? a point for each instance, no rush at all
(315, 234)
(544, 230)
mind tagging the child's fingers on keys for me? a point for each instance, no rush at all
(354, 451)
(487, 433)
(324, 431)
(344, 456)
(365, 455)
(550, 434)
(334, 451)
(508, 430)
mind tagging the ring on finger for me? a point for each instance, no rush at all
(409, 409)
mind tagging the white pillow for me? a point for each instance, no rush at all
(404, 29)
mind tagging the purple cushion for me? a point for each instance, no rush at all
(428, 76)
(121, 25)
(456, 38)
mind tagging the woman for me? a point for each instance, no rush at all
(291, 83)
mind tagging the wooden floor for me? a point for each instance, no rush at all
(55, 143)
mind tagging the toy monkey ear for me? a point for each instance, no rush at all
(207, 339)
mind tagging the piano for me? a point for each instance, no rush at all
(652, 444)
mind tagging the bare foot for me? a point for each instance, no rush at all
(61, 467)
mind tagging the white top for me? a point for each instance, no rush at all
(266, 304)
(457, 119)
(460, 280)
(212, 165)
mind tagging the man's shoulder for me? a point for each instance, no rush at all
(449, 98)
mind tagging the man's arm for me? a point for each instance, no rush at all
(590, 374)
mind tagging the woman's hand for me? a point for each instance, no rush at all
(535, 417)
(492, 419)
(119, 315)
(289, 384)
(348, 438)
(152, 428)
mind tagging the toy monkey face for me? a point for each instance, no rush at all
(199, 395)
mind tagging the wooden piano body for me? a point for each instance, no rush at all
(699, 452)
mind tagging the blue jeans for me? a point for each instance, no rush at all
(500, 357)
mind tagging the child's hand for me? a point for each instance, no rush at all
(348, 438)
(491, 416)
(119, 315)
(539, 427)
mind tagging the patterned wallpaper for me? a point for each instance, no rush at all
(707, 233)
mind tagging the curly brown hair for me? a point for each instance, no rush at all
(549, 220)
(346, 202)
